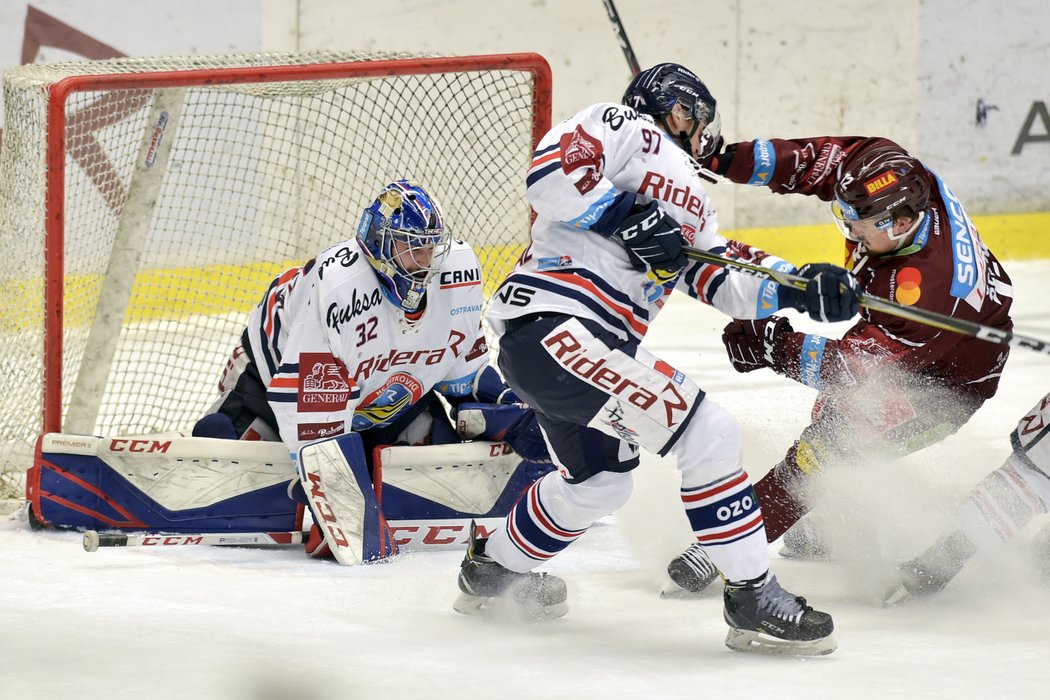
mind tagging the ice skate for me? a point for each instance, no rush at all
(804, 541)
(931, 571)
(692, 571)
(489, 589)
(765, 618)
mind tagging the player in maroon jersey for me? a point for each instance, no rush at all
(889, 386)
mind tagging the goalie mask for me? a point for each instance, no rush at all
(403, 235)
(883, 184)
(658, 90)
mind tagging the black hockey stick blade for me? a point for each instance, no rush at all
(875, 303)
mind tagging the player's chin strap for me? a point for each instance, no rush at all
(685, 142)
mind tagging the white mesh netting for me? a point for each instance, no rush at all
(181, 204)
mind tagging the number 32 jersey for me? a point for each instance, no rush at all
(336, 355)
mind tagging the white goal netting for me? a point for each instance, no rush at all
(189, 182)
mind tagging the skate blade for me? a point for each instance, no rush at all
(786, 552)
(507, 609)
(896, 596)
(756, 642)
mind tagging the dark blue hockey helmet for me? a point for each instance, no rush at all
(657, 90)
(403, 235)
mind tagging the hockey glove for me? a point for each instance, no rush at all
(719, 161)
(832, 294)
(513, 424)
(652, 239)
(753, 345)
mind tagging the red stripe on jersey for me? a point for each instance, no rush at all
(705, 276)
(726, 534)
(271, 300)
(702, 495)
(461, 284)
(620, 310)
(546, 158)
(534, 500)
(522, 543)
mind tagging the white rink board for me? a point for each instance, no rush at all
(223, 622)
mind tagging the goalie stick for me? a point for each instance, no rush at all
(93, 540)
(875, 303)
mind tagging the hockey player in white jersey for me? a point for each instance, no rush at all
(362, 336)
(616, 193)
(1001, 505)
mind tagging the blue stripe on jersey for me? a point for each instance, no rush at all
(811, 358)
(769, 291)
(271, 365)
(548, 149)
(765, 163)
(964, 245)
(543, 172)
(611, 292)
(594, 212)
(603, 313)
(282, 398)
(615, 294)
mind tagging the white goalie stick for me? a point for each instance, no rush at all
(93, 540)
(875, 303)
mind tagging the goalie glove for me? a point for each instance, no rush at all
(756, 344)
(513, 424)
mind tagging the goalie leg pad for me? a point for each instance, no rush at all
(162, 483)
(339, 490)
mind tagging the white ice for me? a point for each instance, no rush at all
(200, 622)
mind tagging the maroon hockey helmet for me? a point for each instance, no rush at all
(882, 182)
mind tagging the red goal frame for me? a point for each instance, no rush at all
(54, 264)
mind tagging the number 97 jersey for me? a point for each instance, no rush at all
(579, 170)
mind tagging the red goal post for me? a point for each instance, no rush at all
(152, 200)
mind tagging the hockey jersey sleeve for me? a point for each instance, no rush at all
(311, 393)
(608, 154)
(470, 366)
(807, 166)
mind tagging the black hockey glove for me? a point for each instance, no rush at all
(832, 294)
(753, 345)
(653, 240)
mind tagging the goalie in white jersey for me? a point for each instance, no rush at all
(617, 193)
(362, 336)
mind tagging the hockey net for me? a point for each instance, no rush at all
(145, 205)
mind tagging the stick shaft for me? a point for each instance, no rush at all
(875, 303)
(93, 540)
(621, 37)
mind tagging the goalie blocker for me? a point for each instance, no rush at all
(420, 497)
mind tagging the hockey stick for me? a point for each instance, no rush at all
(869, 301)
(93, 540)
(621, 37)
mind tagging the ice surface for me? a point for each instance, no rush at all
(199, 622)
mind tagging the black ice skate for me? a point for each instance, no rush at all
(763, 617)
(488, 588)
(931, 571)
(692, 571)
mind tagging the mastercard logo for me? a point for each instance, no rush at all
(908, 281)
